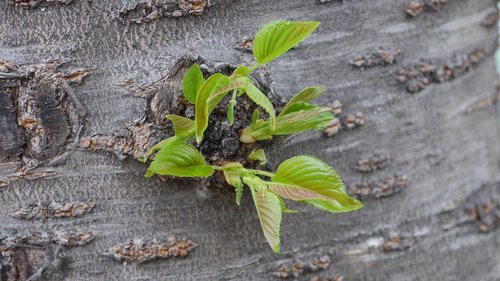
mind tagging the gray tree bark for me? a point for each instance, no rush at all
(84, 86)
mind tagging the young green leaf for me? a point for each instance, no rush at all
(183, 126)
(242, 70)
(304, 120)
(258, 155)
(230, 108)
(268, 207)
(219, 94)
(314, 119)
(180, 160)
(192, 82)
(306, 95)
(255, 117)
(232, 172)
(211, 85)
(279, 36)
(262, 131)
(297, 106)
(309, 180)
(260, 99)
(162, 144)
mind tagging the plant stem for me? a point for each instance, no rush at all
(218, 168)
(260, 172)
(254, 67)
(251, 171)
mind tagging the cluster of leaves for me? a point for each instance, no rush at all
(302, 178)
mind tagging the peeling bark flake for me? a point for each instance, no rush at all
(349, 122)
(415, 8)
(373, 163)
(28, 4)
(52, 210)
(151, 10)
(140, 251)
(380, 57)
(295, 269)
(395, 243)
(381, 189)
(486, 213)
(64, 238)
(418, 77)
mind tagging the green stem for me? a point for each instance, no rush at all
(251, 171)
(218, 168)
(260, 172)
(254, 67)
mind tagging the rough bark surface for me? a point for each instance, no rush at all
(82, 84)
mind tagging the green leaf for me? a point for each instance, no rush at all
(219, 94)
(230, 109)
(268, 207)
(260, 99)
(309, 180)
(306, 95)
(192, 82)
(298, 106)
(334, 207)
(211, 85)
(183, 126)
(162, 144)
(180, 160)
(232, 172)
(279, 36)
(262, 131)
(304, 120)
(258, 155)
(242, 70)
(284, 209)
(255, 117)
(316, 118)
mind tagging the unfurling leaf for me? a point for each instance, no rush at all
(306, 95)
(316, 118)
(255, 117)
(309, 180)
(261, 100)
(192, 82)
(183, 126)
(304, 120)
(211, 85)
(258, 155)
(232, 171)
(277, 37)
(180, 160)
(268, 207)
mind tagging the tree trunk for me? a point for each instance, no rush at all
(84, 86)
